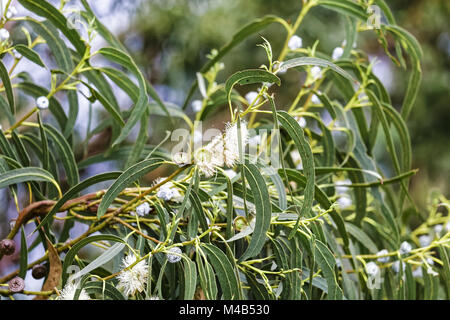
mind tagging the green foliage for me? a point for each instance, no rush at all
(227, 222)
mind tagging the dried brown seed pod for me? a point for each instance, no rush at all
(16, 285)
(39, 271)
(7, 247)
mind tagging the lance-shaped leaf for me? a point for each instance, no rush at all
(263, 210)
(25, 175)
(30, 54)
(106, 289)
(4, 75)
(126, 178)
(190, 279)
(224, 271)
(248, 77)
(70, 256)
(327, 263)
(46, 10)
(296, 133)
(312, 61)
(346, 7)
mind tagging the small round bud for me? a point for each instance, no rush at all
(176, 257)
(143, 209)
(196, 105)
(42, 103)
(372, 269)
(39, 271)
(405, 247)
(337, 53)
(4, 34)
(295, 42)
(16, 285)
(7, 247)
(316, 72)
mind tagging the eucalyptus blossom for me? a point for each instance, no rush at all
(287, 178)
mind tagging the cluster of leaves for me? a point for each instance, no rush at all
(255, 234)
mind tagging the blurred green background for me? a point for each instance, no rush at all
(171, 39)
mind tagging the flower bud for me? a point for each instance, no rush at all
(7, 247)
(16, 285)
(42, 103)
(39, 271)
(176, 257)
(4, 34)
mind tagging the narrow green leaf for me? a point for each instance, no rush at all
(70, 256)
(190, 279)
(263, 211)
(4, 75)
(327, 263)
(127, 177)
(224, 271)
(312, 61)
(25, 175)
(296, 133)
(46, 10)
(23, 254)
(30, 54)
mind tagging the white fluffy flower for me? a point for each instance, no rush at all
(447, 226)
(143, 209)
(424, 240)
(295, 42)
(372, 269)
(231, 143)
(344, 202)
(221, 150)
(251, 96)
(340, 186)
(438, 228)
(316, 73)
(337, 53)
(405, 247)
(382, 253)
(134, 279)
(42, 103)
(174, 256)
(210, 157)
(204, 162)
(4, 34)
(196, 105)
(68, 293)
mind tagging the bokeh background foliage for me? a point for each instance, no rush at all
(339, 220)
